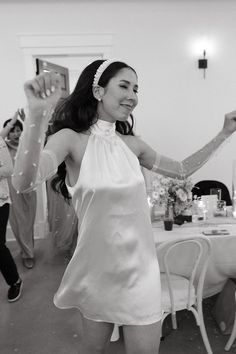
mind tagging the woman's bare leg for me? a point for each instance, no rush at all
(142, 339)
(95, 336)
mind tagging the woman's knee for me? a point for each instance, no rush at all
(90, 345)
(95, 336)
(142, 339)
(143, 347)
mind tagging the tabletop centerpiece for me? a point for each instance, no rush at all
(174, 195)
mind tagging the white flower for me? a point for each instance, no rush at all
(162, 191)
(165, 181)
(181, 195)
(155, 195)
(155, 183)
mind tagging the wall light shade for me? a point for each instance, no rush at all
(198, 45)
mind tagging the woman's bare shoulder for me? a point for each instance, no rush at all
(68, 135)
(67, 143)
(132, 142)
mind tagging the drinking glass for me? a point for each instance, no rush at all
(216, 191)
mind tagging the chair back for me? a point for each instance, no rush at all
(188, 258)
(203, 188)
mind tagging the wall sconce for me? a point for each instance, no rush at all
(202, 64)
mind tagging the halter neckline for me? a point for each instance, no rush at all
(104, 128)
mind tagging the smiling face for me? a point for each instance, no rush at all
(119, 97)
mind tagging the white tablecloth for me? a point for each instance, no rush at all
(222, 263)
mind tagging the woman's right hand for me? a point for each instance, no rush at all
(43, 92)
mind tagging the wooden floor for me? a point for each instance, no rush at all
(33, 325)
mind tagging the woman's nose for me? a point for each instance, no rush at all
(132, 96)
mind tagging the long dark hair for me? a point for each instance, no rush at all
(79, 111)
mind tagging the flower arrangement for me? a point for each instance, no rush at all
(172, 191)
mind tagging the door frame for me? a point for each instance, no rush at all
(33, 45)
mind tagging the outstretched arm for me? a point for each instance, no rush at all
(172, 168)
(32, 165)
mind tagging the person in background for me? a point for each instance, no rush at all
(8, 266)
(23, 207)
(113, 276)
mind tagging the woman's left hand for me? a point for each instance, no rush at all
(230, 123)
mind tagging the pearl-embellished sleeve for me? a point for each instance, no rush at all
(33, 165)
(6, 166)
(47, 167)
(185, 168)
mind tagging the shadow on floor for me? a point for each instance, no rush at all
(33, 325)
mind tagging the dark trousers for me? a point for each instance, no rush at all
(7, 264)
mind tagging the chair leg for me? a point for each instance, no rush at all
(203, 331)
(232, 336)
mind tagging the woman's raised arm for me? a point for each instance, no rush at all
(176, 169)
(31, 165)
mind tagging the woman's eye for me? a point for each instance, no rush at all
(126, 88)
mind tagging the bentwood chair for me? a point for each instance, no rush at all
(183, 265)
(233, 333)
(204, 188)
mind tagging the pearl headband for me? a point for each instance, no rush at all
(101, 70)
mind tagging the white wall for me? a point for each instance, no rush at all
(178, 110)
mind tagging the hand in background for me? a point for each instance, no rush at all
(14, 119)
(43, 92)
(5, 131)
(21, 113)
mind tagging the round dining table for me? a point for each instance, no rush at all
(221, 231)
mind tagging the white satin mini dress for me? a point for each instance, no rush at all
(113, 275)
